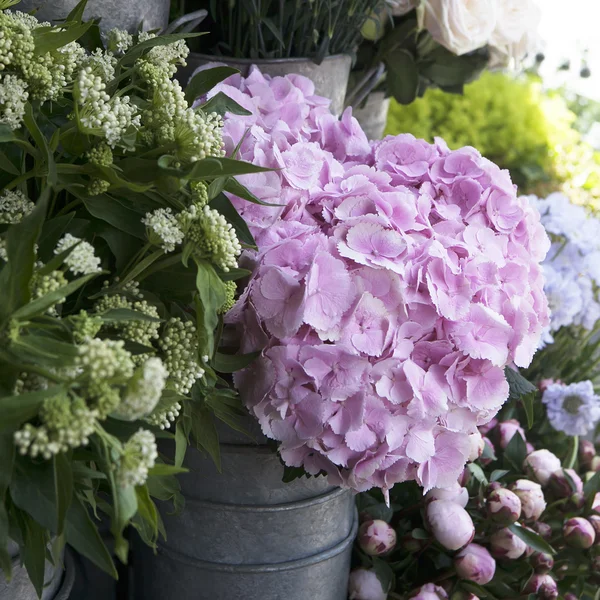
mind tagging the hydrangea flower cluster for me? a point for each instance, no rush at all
(388, 293)
(572, 267)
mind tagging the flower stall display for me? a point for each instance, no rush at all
(116, 264)
(412, 45)
(392, 286)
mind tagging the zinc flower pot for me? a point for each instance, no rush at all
(152, 14)
(58, 580)
(330, 77)
(246, 534)
(373, 115)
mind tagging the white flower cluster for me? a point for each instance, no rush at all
(216, 237)
(119, 41)
(82, 259)
(14, 206)
(138, 457)
(66, 423)
(179, 343)
(143, 390)
(168, 57)
(3, 253)
(102, 64)
(42, 285)
(104, 360)
(163, 229)
(163, 417)
(99, 113)
(572, 266)
(13, 96)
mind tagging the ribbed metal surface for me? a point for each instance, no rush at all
(330, 77)
(122, 14)
(373, 115)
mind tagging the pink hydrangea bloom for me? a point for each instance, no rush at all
(391, 287)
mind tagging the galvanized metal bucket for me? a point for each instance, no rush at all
(58, 580)
(151, 14)
(373, 115)
(330, 77)
(246, 534)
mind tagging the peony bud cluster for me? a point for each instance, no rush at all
(532, 498)
(475, 563)
(503, 506)
(450, 524)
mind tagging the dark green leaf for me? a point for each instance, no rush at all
(113, 212)
(161, 469)
(205, 433)
(211, 296)
(233, 186)
(222, 104)
(33, 553)
(63, 488)
(233, 274)
(52, 231)
(16, 410)
(7, 452)
(222, 204)
(48, 39)
(403, 76)
(76, 15)
(478, 473)
(210, 168)
(384, 573)
(83, 535)
(591, 488)
(125, 507)
(527, 401)
(6, 134)
(181, 444)
(532, 539)
(515, 452)
(474, 588)
(147, 511)
(230, 363)
(41, 305)
(420, 534)
(40, 140)
(216, 187)
(204, 81)
(498, 474)
(518, 385)
(117, 315)
(7, 165)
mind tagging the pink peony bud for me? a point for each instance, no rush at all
(503, 506)
(532, 499)
(543, 586)
(450, 523)
(475, 563)
(376, 537)
(505, 544)
(530, 448)
(430, 591)
(491, 450)
(541, 464)
(455, 493)
(543, 529)
(506, 431)
(477, 444)
(365, 585)
(579, 533)
(595, 521)
(587, 452)
(596, 502)
(464, 477)
(542, 563)
(485, 429)
(559, 485)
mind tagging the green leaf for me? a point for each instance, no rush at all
(40, 140)
(6, 164)
(20, 243)
(161, 469)
(516, 452)
(403, 76)
(384, 573)
(41, 305)
(181, 444)
(591, 487)
(205, 433)
(498, 474)
(125, 507)
(147, 511)
(215, 187)
(223, 205)
(76, 15)
(532, 539)
(48, 39)
(7, 452)
(204, 81)
(113, 212)
(527, 401)
(119, 315)
(63, 488)
(518, 385)
(16, 410)
(233, 186)
(419, 534)
(233, 274)
(211, 296)
(83, 535)
(474, 588)
(33, 553)
(221, 104)
(478, 473)
(210, 168)
(230, 363)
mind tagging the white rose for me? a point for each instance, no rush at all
(517, 22)
(401, 7)
(459, 25)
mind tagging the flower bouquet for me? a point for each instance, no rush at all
(117, 261)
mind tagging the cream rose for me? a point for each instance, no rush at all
(459, 25)
(517, 22)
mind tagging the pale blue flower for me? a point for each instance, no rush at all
(573, 409)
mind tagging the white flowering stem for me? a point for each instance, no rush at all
(572, 456)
